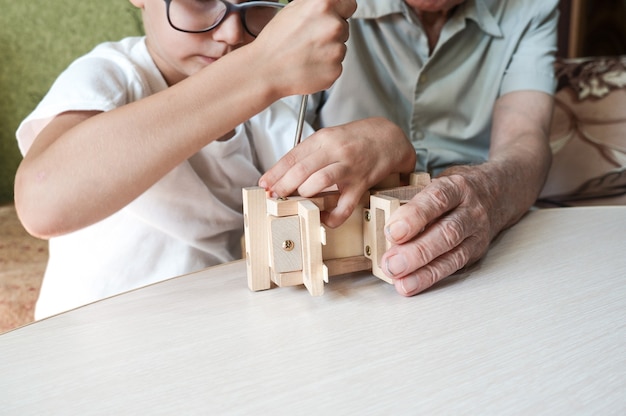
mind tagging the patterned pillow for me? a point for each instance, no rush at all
(588, 135)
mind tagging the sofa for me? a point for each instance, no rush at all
(588, 134)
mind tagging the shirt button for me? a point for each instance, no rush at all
(418, 135)
(423, 78)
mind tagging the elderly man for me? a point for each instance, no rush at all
(470, 83)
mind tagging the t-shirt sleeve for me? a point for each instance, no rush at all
(88, 84)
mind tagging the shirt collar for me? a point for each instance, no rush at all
(475, 10)
(478, 11)
(372, 9)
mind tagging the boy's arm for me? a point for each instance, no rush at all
(84, 166)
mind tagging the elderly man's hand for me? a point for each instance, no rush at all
(450, 224)
(444, 228)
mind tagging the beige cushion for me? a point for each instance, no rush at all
(588, 136)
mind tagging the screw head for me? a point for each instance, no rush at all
(288, 245)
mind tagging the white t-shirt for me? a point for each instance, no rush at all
(190, 219)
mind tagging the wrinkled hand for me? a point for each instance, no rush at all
(353, 156)
(450, 224)
(304, 45)
(444, 228)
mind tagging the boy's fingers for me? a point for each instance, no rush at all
(346, 205)
(282, 168)
(346, 8)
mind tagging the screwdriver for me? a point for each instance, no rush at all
(303, 104)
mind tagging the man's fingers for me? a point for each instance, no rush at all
(433, 272)
(438, 239)
(431, 203)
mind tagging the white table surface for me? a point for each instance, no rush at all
(538, 327)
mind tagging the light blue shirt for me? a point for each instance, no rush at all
(444, 100)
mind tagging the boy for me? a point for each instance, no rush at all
(135, 159)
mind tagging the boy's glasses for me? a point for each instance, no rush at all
(199, 16)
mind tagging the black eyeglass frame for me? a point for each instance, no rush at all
(230, 8)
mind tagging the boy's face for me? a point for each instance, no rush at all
(179, 54)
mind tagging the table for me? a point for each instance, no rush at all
(537, 327)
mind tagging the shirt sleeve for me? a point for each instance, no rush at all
(88, 84)
(532, 65)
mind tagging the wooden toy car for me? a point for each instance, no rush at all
(286, 243)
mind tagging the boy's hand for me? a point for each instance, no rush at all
(302, 48)
(353, 156)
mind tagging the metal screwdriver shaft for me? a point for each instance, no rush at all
(301, 115)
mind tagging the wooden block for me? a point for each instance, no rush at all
(286, 245)
(403, 193)
(325, 201)
(281, 207)
(345, 240)
(419, 179)
(369, 233)
(347, 265)
(287, 279)
(255, 235)
(381, 208)
(314, 272)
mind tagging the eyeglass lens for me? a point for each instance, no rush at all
(204, 15)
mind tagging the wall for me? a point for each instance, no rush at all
(592, 28)
(38, 39)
